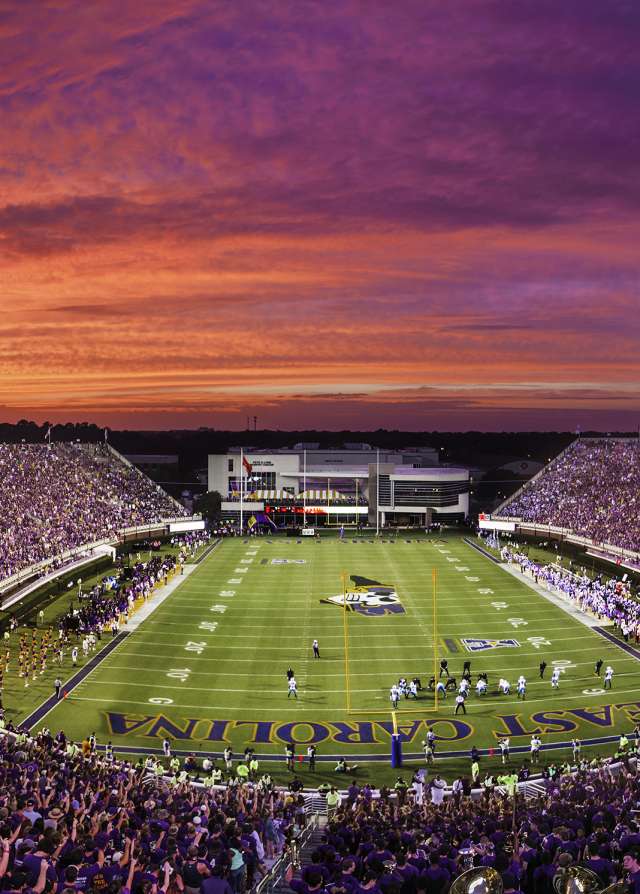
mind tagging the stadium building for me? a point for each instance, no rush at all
(305, 485)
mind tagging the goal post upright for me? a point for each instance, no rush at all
(434, 587)
(345, 627)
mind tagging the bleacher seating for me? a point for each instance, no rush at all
(593, 489)
(59, 497)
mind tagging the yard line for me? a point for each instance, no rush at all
(396, 660)
(106, 665)
(342, 714)
(382, 688)
(510, 633)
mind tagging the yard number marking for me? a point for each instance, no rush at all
(538, 641)
(195, 647)
(518, 622)
(179, 673)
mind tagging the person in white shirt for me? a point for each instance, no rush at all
(504, 749)
(505, 685)
(535, 748)
(316, 649)
(608, 677)
(394, 695)
(460, 705)
(441, 691)
(555, 678)
(437, 789)
(481, 687)
(293, 688)
(522, 688)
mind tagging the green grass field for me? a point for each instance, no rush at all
(209, 665)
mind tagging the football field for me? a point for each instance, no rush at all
(208, 666)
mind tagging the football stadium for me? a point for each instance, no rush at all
(409, 648)
(417, 664)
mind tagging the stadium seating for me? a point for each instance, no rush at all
(58, 498)
(73, 820)
(591, 489)
(400, 845)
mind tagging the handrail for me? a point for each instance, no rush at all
(289, 857)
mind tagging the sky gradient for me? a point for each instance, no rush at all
(334, 214)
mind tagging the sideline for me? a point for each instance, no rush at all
(561, 602)
(141, 614)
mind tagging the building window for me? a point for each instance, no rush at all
(230, 465)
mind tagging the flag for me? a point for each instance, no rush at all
(247, 465)
(252, 521)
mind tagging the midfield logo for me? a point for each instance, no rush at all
(368, 597)
(474, 644)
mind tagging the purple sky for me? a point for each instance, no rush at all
(327, 214)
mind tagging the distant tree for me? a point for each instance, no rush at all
(208, 505)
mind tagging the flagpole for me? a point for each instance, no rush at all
(377, 492)
(241, 490)
(304, 490)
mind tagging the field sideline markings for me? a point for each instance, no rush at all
(48, 705)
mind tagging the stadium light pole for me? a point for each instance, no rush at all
(241, 489)
(304, 489)
(377, 492)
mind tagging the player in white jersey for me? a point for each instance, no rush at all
(608, 677)
(522, 688)
(413, 689)
(394, 696)
(74, 656)
(166, 747)
(441, 690)
(481, 687)
(505, 685)
(504, 749)
(464, 687)
(293, 688)
(555, 678)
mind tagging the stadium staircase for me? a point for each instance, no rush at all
(288, 866)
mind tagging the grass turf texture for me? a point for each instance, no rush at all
(208, 666)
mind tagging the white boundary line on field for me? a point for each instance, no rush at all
(150, 606)
(576, 613)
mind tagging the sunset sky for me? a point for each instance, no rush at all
(333, 214)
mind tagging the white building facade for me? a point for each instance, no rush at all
(305, 485)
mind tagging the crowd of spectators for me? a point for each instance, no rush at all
(73, 820)
(404, 845)
(59, 497)
(607, 599)
(78, 822)
(114, 596)
(593, 489)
